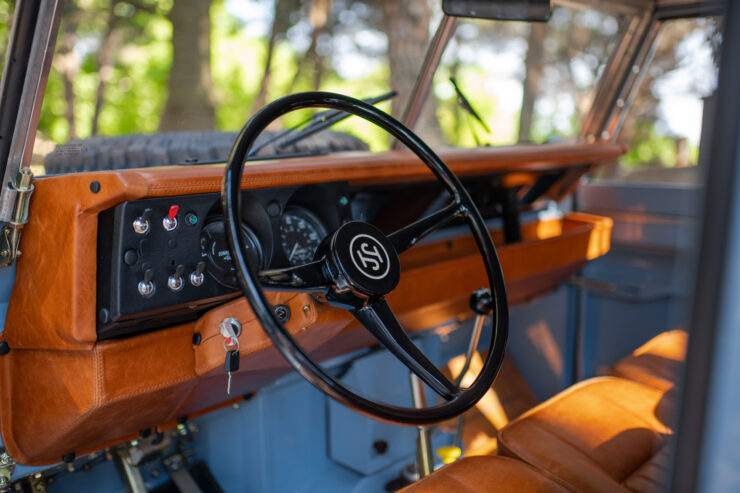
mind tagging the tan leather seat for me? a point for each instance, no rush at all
(657, 363)
(602, 435)
(485, 474)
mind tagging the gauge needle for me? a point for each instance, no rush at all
(292, 252)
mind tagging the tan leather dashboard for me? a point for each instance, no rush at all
(64, 392)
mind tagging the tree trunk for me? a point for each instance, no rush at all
(319, 17)
(105, 63)
(189, 105)
(68, 64)
(280, 25)
(261, 98)
(406, 23)
(69, 110)
(532, 77)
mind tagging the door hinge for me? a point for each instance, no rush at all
(10, 237)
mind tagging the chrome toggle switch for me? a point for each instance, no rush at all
(141, 223)
(197, 278)
(175, 281)
(147, 287)
(170, 221)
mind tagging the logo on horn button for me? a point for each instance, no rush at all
(369, 256)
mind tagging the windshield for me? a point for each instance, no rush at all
(175, 72)
(528, 82)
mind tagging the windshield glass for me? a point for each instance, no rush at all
(528, 82)
(663, 127)
(149, 82)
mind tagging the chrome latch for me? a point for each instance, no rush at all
(10, 237)
(7, 466)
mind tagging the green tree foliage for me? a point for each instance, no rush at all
(6, 18)
(123, 95)
(113, 71)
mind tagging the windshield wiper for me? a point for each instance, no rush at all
(316, 123)
(463, 102)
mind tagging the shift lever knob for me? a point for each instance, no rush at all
(481, 302)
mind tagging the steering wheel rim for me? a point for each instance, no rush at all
(334, 269)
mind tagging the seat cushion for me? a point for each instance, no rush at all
(656, 363)
(594, 436)
(485, 474)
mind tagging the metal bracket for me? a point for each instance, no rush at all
(10, 237)
(509, 203)
(131, 473)
(176, 465)
(7, 467)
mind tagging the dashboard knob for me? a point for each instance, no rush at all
(146, 286)
(196, 277)
(141, 223)
(175, 281)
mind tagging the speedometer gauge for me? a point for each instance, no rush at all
(301, 233)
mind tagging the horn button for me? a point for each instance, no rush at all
(365, 259)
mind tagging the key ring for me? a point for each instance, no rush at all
(230, 329)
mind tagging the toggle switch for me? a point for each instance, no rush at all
(141, 223)
(196, 277)
(170, 222)
(146, 286)
(175, 281)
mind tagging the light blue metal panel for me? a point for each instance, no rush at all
(639, 288)
(276, 442)
(720, 460)
(7, 278)
(669, 199)
(541, 341)
(627, 297)
(103, 478)
(351, 435)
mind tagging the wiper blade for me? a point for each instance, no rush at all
(465, 105)
(316, 123)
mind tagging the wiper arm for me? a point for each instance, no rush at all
(465, 105)
(316, 123)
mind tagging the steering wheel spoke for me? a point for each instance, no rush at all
(306, 277)
(378, 318)
(408, 236)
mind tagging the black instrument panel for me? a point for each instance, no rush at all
(166, 260)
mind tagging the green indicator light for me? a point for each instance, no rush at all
(343, 200)
(192, 219)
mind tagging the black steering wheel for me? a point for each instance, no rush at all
(357, 266)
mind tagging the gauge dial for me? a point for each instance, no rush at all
(214, 247)
(301, 233)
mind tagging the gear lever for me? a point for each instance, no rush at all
(481, 302)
